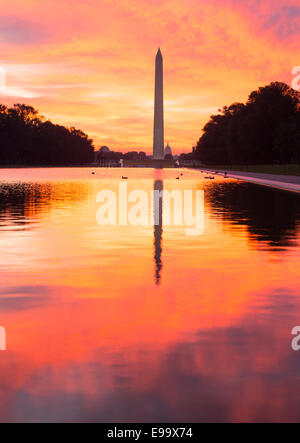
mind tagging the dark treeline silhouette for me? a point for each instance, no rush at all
(26, 138)
(105, 153)
(265, 130)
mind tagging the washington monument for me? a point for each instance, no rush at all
(158, 133)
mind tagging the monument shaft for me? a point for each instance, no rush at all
(158, 135)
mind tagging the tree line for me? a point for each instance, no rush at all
(105, 153)
(27, 138)
(264, 130)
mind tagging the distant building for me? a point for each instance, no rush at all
(168, 150)
(104, 149)
(98, 155)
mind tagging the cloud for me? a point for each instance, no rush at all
(285, 22)
(20, 31)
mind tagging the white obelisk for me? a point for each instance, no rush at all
(158, 133)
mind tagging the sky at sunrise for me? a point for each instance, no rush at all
(90, 63)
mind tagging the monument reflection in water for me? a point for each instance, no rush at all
(158, 230)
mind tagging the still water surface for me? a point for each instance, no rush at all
(124, 323)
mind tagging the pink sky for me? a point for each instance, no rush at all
(90, 64)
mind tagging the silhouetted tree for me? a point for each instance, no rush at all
(26, 138)
(264, 130)
(132, 155)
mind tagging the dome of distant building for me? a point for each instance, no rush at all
(104, 149)
(168, 150)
